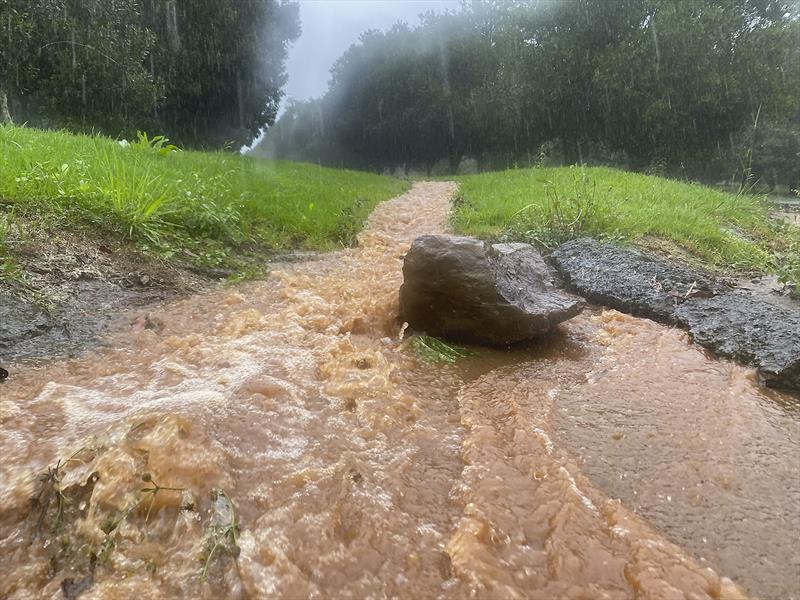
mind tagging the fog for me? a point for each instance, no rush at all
(331, 26)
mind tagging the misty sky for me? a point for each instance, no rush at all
(331, 26)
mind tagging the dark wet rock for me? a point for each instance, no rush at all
(19, 321)
(627, 280)
(750, 329)
(465, 289)
(746, 326)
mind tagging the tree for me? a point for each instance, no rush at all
(222, 65)
(205, 72)
(90, 70)
(20, 27)
(664, 82)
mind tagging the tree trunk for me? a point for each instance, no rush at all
(453, 160)
(5, 116)
(569, 146)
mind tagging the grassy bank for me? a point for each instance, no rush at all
(166, 200)
(550, 205)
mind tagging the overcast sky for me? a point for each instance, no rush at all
(331, 26)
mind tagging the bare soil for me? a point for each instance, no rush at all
(69, 287)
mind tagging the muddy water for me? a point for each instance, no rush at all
(694, 446)
(280, 440)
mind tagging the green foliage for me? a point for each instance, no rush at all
(76, 63)
(222, 65)
(58, 514)
(158, 144)
(569, 208)
(786, 260)
(153, 489)
(549, 205)
(52, 494)
(168, 201)
(431, 349)
(642, 82)
(770, 154)
(207, 72)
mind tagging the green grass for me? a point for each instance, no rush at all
(550, 205)
(431, 349)
(163, 198)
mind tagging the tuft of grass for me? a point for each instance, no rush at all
(550, 205)
(431, 349)
(168, 200)
(221, 532)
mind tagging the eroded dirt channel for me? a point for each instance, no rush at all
(613, 460)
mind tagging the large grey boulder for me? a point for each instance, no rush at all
(464, 289)
(737, 324)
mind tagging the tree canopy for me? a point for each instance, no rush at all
(682, 86)
(203, 72)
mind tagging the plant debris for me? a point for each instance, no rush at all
(221, 532)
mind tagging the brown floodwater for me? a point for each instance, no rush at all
(281, 440)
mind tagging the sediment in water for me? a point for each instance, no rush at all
(354, 469)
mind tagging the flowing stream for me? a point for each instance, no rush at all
(281, 440)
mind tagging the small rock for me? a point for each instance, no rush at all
(149, 322)
(465, 289)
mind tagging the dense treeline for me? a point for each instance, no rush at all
(703, 88)
(203, 72)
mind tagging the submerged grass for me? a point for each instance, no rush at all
(550, 205)
(433, 350)
(165, 199)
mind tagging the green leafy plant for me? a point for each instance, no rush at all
(545, 206)
(111, 527)
(787, 267)
(134, 198)
(214, 204)
(157, 144)
(112, 524)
